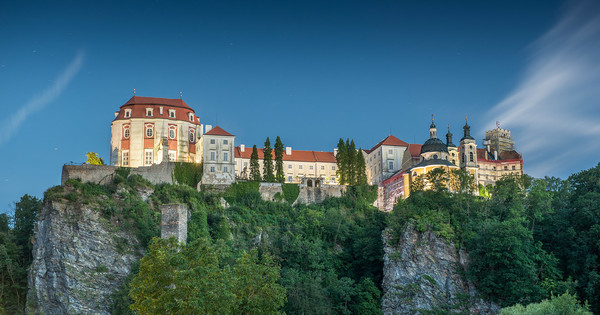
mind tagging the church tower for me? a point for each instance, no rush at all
(468, 151)
(452, 149)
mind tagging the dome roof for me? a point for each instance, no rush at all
(434, 145)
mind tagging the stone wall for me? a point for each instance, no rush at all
(103, 174)
(174, 222)
(268, 190)
(310, 195)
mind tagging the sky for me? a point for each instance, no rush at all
(307, 71)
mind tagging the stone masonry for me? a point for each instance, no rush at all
(174, 222)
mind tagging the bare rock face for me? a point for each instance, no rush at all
(422, 273)
(79, 260)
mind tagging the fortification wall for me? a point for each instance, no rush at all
(310, 195)
(268, 190)
(103, 174)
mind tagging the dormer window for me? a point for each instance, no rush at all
(171, 113)
(191, 116)
(127, 113)
(149, 112)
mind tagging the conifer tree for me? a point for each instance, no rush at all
(341, 162)
(268, 175)
(361, 169)
(279, 176)
(254, 166)
(352, 157)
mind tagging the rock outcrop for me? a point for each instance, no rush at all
(79, 260)
(422, 273)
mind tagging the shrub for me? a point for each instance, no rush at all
(188, 173)
(290, 192)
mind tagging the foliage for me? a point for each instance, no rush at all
(279, 174)
(268, 175)
(94, 159)
(290, 192)
(565, 304)
(243, 193)
(351, 167)
(176, 278)
(254, 166)
(188, 173)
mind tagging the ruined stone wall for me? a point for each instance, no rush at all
(310, 195)
(268, 190)
(174, 222)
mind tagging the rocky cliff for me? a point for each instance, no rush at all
(79, 259)
(422, 272)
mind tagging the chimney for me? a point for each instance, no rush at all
(116, 114)
(207, 128)
(335, 151)
(242, 148)
(495, 155)
(288, 150)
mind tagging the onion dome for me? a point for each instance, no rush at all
(449, 138)
(467, 131)
(434, 145)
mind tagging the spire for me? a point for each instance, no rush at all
(449, 137)
(432, 130)
(467, 130)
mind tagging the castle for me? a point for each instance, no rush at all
(150, 130)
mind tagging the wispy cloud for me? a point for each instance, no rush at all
(11, 124)
(555, 110)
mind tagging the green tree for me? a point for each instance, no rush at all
(268, 175)
(361, 168)
(254, 166)
(351, 162)
(279, 174)
(94, 159)
(26, 211)
(341, 160)
(565, 304)
(438, 179)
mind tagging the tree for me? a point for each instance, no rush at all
(351, 163)
(438, 179)
(279, 175)
(268, 175)
(565, 304)
(254, 166)
(341, 162)
(94, 159)
(361, 168)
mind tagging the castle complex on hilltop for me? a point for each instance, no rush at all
(149, 130)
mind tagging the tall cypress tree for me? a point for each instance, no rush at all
(268, 175)
(352, 157)
(254, 166)
(279, 176)
(361, 169)
(341, 162)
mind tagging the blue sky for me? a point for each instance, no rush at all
(308, 71)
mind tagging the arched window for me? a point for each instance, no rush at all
(464, 158)
(471, 157)
(192, 135)
(435, 156)
(126, 131)
(172, 132)
(149, 131)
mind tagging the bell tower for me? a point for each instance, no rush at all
(468, 150)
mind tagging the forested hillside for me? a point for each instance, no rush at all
(528, 240)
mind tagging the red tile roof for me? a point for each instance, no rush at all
(218, 131)
(414, 149)
(390, 140)
(142, 100)
(503, 156)
(297, 155)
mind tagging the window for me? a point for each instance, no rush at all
(471, 157)
(225, 156)
(148, 157)
(333, 178)
(333, 168)
(435, 156)
(149, 131)
(513, 168)
(464, 158)
(126, 131)
(453, 161)
(245, 164)
(299, 167)
(290, 178)
(391, 165)
(212, 155)
(171, 113)
(506, 168)
(494, 168)
(289, 166)
(390, 152)
(310, 167)
(225, 141)
(225, 169)
(414, 174)
(172, 156)
(149, 112)
(127, 113)
(125, 158)
(212, 169)
(192, 135)
(191, 116)
(171, 132)
(212, 141)
(452, 154)
(322, 167)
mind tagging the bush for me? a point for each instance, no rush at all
(290, 192)
(565, 304)
(188, 173)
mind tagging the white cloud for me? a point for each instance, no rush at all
(554, 112)
(11, 124)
